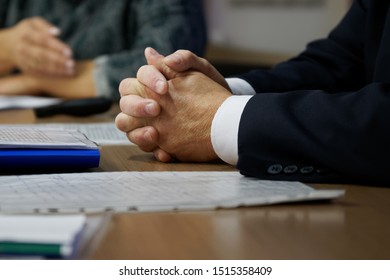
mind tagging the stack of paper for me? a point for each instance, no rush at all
(44, 236)
(102, 133)
(37, 147)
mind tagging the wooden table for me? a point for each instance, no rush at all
(356, 226)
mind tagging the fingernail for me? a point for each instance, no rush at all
(68, 52)
(55, 31)
(160, 86)
(153, 51)
(151, 109)
(70, 64)
(70, 67)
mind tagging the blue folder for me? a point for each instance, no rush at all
(49, 158)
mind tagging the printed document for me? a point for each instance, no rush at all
(104, 133)
(12, 137)
(146, 191)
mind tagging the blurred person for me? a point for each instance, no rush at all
(322, 116)
(80, 49)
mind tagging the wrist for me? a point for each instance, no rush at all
(81, 85)
(32, 84)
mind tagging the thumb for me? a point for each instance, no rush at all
(157, 60)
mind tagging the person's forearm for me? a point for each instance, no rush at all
(79, 86)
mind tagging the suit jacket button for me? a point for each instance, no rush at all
(307, 169)
(290, 169)
(275, 169)
(323, 171)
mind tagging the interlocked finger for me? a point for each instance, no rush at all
(128, 123)
(145, 137)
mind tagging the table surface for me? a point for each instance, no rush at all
(356, 226)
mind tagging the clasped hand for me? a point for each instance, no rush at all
(169, 107)
(33, 47)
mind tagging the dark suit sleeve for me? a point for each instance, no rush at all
(314, 136)
(333, 64)
(339, 133)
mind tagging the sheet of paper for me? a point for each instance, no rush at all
(43, 137)
(146, 191)
(59, 229)
(104, 133)
(100, 133)
(31, 234)
(28, 102)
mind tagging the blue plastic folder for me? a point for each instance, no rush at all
(43, 158)
(48, 148)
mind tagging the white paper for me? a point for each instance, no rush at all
(42, 137)
(146, 191)
(101, 133)
(28, 102)
(45, 229)
(104, 133)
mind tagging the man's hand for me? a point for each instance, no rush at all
(136, 110)
(166, 68)
(155, 77)
(32, 46)
(178, 121)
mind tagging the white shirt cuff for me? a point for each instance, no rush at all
(102, 84)
(224, 128)
(240, 86)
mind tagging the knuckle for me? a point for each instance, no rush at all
(188, 55)
(25, 34)
(131, 107)
(185, 53)
(124, 85)
(142, 70)
(25, 22)
(134, 137)
(35, 19)
(123, 104)
(138, 137)
(120, 122)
